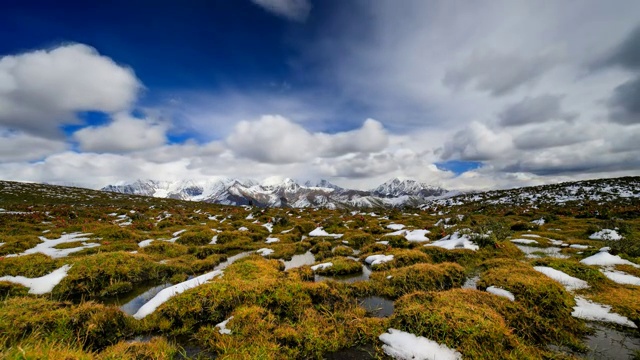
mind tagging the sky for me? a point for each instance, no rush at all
(464, 95)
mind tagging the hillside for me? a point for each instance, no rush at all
(521, 273)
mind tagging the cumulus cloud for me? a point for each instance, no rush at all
(40, 90)
(18, 146)
(294, 10)
(275, 139)
(477, 143)
(125, 133)
(535, 110)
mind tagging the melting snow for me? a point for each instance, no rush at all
(378, 259)
(412, 235)
(501, 292)
(319, 232)
(395, 226)
(605, 234)
(455, 241)
(265, 251)
(47, 246)
(269, 226)
(321, 266)
(406, 346)
(621, 277)
(145, 243)
(40, 285)
(524, 241)
(271, 240)
(166, 294)
(223, 327)
(603, 258)
(589, 310)
(178, 232)
(538, 222)
(569, 282)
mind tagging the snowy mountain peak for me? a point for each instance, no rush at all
(397, 187)
(281, 191)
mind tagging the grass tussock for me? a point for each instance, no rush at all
(397, 282)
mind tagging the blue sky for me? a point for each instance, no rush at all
(483, 95)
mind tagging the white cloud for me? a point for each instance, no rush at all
(125, 133)
(18, 146)
(275, 139)
(295, 10)
(42, 89)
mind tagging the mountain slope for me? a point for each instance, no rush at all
(276, 192)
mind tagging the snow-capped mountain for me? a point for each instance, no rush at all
(397, 187)
(283, 192)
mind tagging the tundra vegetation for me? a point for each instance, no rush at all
(280, 289)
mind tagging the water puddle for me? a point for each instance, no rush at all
(133, 301)
(300, 260)
(366, 272)
(608, 343)
(471, 283)
(377, 306)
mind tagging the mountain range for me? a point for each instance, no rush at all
(276, 192)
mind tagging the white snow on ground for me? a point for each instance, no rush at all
(455, 241)
(243, 228)
(249, 217)
(1, 243)
(383, 242)
(178, 232)
(378, 259)
(319, 232)
(269, 226)
(568, 281)
(531, 252)
(395, 226)
(321, 266)
(214, 240)
(40, 285)
(47, 246)
(538, 222)
(166, 294)
(531, 235)
(578, 246)
(589, 310)
(406, 346)
(145, 243)
(286, 231)
(411, 235)
(223, 327)
(501, 292)
(524, 241)
(605, 234)
(265, 251)
(271, 240)
(603, 258)
(621, 277)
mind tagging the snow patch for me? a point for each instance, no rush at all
(319, 232)
(166, 294)
(378, 259)
(321, 266)
(406, 346)
(455, 241)
(501, 292)
(223, 327)
(605, 234)
(265, 251)
(40, 285)
(568, 281)
(589, 310)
